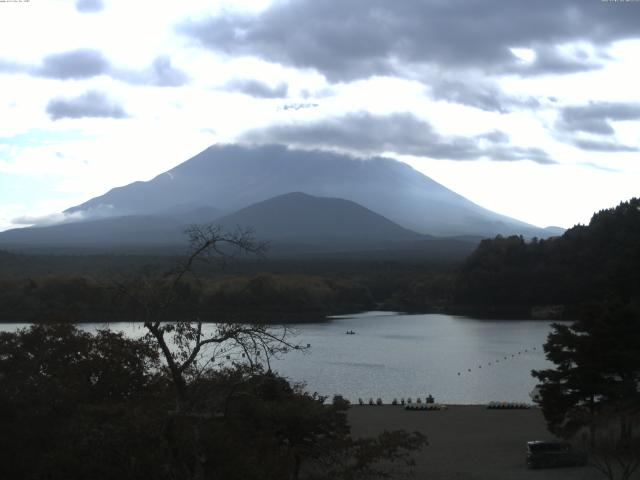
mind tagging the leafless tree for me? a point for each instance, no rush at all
(170, 314)
(179, 334)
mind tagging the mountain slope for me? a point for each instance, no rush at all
(293, 221)
(125, 231)
(119, 232)
(301, 218)
(231, 177)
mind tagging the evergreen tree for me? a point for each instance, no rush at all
(595, 385)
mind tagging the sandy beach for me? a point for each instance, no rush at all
(468, 441)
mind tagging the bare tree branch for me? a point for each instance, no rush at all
(156, 297)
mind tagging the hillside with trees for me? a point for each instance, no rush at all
(589, 263)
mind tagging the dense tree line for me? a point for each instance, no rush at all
(588, 263)
(271, 296)
(83, 299)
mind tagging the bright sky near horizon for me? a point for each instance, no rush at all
(530, 109)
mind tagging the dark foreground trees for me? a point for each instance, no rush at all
(593, 393)
(75, 405)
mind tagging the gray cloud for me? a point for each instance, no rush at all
(602, 146)
(594, 119)
(44, 220)
(349, 39)
(12, 67)
(89, 104)
(467, 94)
(549, 59)
(74, 64)
(595, 116)
(255, 88)
(100, 211)
(161, 73)
(401, 133)
(89, 6)
(481, 94)
(86, 63)
(573, 121)
(495, 136)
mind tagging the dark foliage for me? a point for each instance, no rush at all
(80, 299)
(597, 365)
(588, 263)
(594, 389)
(75, 405)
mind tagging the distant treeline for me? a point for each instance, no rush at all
(593, 263)
(259, 297)
(82, 288)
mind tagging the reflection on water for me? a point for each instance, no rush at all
(455, 359)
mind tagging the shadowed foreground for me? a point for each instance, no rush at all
(468, 441)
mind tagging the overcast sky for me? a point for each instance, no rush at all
(528, 108)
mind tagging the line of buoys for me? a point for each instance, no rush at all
(513, 355)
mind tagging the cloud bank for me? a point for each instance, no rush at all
(401, 133)
(74, 64)
(85, 63)
(90, 104)
(588, 127)
(258, 89)
(353, 39)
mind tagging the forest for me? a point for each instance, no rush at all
(503, 276)
(589, 263)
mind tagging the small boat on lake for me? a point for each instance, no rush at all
(350, 332)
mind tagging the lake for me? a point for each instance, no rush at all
(458, 360)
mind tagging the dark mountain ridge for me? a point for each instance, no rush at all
(295, 220)
(298, 217)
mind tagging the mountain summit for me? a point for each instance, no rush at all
(232, 177)
(301, 218)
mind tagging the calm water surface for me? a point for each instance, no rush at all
(456, 359)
